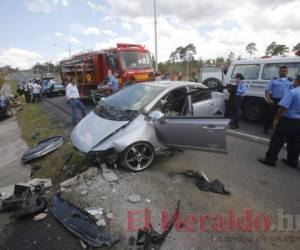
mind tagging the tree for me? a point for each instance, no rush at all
(190, 51)
(173, 57)
(230, 57)
(275, 49)
(296, 47)
(251, 48)
(270, 48)
(280, 49)
(220, 60)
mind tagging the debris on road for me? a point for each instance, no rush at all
(25, 203)
(109, 215)
(149, 239)
(94, 211)
(80, 223)
(46, 183)
(134, 198)
(101, 222)
(90, 173)
(18, 200)
(43, 147)
(40, 216)
(82, 244)
(203, 183)
(108, 174)
(34, 206)
(69, 182)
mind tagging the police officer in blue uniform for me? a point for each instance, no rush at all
(237, 93)
(287, 128)
(275, 90)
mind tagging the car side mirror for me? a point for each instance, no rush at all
(156, 116)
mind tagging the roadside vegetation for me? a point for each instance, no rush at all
(36, 125)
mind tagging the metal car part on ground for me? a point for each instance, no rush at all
(24, 203)
(80, 223)
(42, 148)
(126, 129)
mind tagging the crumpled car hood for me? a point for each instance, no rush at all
(93, 129)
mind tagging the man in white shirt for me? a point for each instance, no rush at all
(36, 90)
(72, 95)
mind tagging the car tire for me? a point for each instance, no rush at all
(253, 110)
(137, 157)
(212, 83)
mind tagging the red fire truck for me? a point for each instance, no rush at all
(130, 62)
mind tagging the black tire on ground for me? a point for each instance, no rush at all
(212, 83)
(253, 110)
(137, 157)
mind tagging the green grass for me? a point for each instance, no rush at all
(33, 120)
(13, 87)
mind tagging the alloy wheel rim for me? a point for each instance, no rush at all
(139, 156)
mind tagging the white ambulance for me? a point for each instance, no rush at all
(258, 73)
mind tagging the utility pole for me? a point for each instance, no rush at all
(69, 45)
(155, 36)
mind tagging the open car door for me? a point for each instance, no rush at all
(198, 133)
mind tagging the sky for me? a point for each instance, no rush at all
(43, 30)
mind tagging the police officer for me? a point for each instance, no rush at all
(275, 90)
(287, 128)
(237, 94)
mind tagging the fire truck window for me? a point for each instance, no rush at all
(135, 59)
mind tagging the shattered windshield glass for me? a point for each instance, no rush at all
(128, 102)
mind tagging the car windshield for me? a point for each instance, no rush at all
(135, 59)
(128, 102)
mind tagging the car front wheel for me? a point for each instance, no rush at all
(138, 156)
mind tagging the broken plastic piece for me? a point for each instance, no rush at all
(149, 239)
(202, 182)
(80, 223)
(42, 148)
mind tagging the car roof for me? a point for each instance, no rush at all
(269, 60)
(172, 84)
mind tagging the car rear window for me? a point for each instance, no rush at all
(271, 70)
(250, 71)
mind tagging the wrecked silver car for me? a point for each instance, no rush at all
(141, 120)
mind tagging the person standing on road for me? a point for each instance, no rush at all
(72, 95)
(26, 90)
(274, 91)
(112, 82)
(287, 129)
(238, 92)
(36, 90)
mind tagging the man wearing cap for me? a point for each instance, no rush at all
(275, 90)
(287, 129)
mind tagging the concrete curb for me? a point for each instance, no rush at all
(248, 137)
